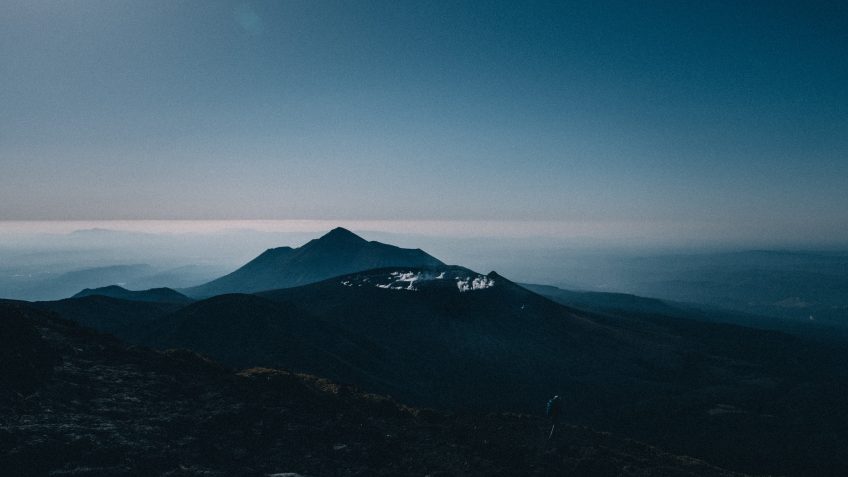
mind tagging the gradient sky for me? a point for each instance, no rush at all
(730, 118)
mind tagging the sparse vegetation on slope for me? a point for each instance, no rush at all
(104, 409)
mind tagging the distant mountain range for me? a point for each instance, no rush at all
(806, 289)
(623, 303)
(336, 253)
(35, 283)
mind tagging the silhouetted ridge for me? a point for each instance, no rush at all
(337, 240)
(340, 235)
(109, 314)
(272, 254)
(336, 253)
(157, 295)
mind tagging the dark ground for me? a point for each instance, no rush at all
(74, 402)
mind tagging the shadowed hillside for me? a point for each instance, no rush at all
(77, 403)
(445, 337)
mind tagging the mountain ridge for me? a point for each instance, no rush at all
(337, 252)
(157, 295)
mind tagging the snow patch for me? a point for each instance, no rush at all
(477, 283)
(404, 280)
(414, 280)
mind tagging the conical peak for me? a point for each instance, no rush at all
(340, 234)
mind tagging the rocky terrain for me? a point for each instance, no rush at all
(74, 402)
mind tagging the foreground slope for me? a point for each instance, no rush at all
(77, 403)
(338, 252)
(455, 339)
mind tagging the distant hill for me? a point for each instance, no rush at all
(74, 402)
(50, 286)
(603, 301)
(336, 253)
(808, 288)
(37, 283)
(156, 295)
(623, 303)
(263, 332)
(120, 317)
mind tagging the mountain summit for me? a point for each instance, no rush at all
(336, 253)
(338, 236)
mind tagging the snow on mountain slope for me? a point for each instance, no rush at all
(413, 280)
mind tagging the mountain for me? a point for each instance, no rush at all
(32, 284)
(124, 318)
(797, 289)
(45, 279)
(623, 303)
(336, 253)
(77, 403)
(245, 330)
(451, 338)
(155, 295)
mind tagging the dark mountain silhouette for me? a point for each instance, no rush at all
(450, 338)
(75, 402)
(110, 315)
(266, 332)
(49, 286)
(336, 253)
(156, 295)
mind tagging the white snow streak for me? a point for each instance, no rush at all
(477, 283)
(412, 281)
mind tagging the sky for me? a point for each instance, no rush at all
(721, 121)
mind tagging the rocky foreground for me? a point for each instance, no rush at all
(74, 402)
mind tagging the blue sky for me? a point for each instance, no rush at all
(729, 118)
